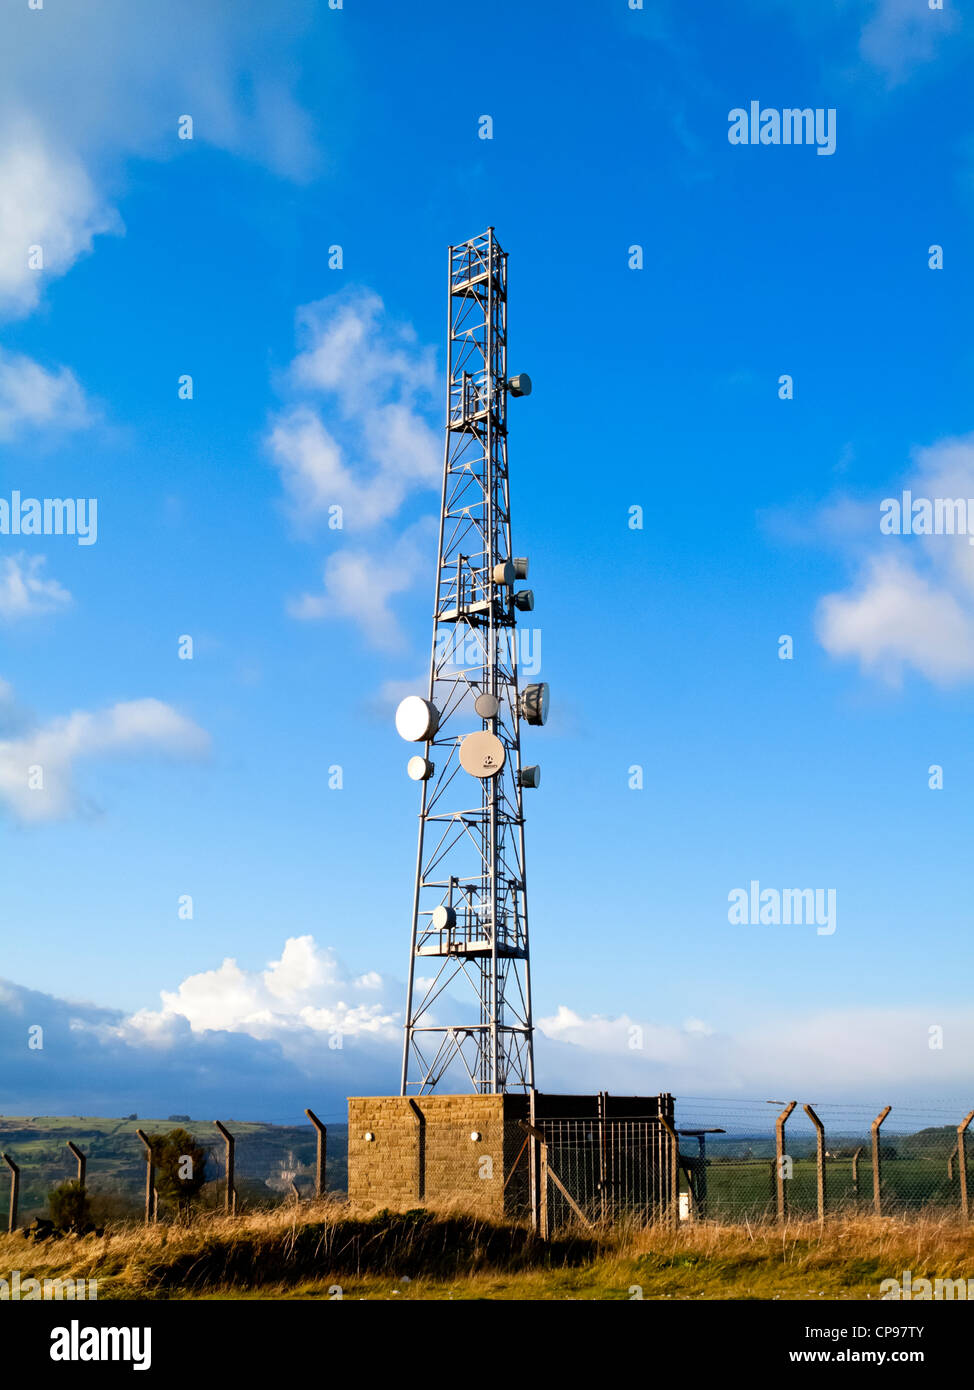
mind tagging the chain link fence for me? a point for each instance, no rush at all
(582, 1169)
(274, 1163)
(730, 1166)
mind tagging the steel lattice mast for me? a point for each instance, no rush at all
(469, 951)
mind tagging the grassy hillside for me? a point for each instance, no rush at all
(266, 1157)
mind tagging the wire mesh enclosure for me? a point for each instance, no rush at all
(606, 1167)
(890, 1160)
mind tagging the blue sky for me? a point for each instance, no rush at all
(655, 387)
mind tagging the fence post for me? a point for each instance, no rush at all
(819, 1161)
(602, 1104)
(543, 1197)
(534, 1168)
(855, 1173)
(82, 1163)
(779, 1160)
(674, 1172)
(150, 1178)
(877, 1194)
(14, 1191)
(320, 1152)
(950, 1163)
(962, 1164)
(230, 1193)
(539, 1175)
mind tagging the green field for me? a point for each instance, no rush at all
(745, 1188)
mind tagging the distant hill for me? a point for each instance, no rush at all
(267, 1158)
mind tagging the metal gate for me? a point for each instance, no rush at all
(604, 1165)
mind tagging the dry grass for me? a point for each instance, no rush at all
(312, 1250)
(847, 1259)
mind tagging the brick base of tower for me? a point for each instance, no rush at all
(422, 1152)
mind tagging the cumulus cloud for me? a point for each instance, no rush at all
(358, 585)
(355, 445)
(37, 762)
(895, 617)
(32, 397)
(306, 991)
(50, 213)
(25, 592)
(912, 603)
(374, 382)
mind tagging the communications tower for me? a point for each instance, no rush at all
(468, 1002)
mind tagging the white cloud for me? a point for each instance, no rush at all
(894, 38)
(912, 604)
(24, 591)
(47, 201)
(833, 1054)
(32, 397)
(897, 618)
(306, 992)
(352, 349)
(359, 584)
(597, 1033)
(900, 35)
(130, 728)
(361, 444)
(83, 87)
(157, 1063)
(115, 77)
(377, 447)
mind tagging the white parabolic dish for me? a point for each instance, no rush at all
(482, 754)
(416, 719)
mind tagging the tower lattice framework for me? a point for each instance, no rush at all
(468, 1007)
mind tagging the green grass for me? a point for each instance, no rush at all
(736, 1190)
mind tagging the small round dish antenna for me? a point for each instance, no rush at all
(486, 705)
